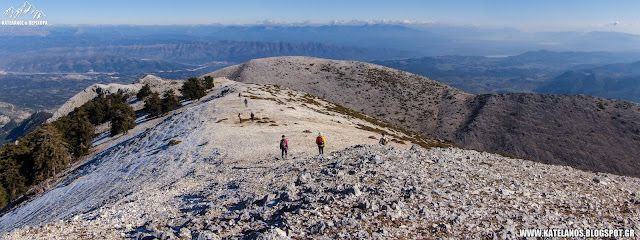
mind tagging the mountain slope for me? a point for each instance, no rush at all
(26, 126)
(587, 132)
(199, 173)
(619, 81)
(10, 117)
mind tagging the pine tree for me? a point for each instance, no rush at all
(113, 101)
(170, 101)
(153, 105)
(77, 131)
(14, 182)
(15, 164)
(208, 80)
(49, 152)
(123, 118)
(96, 110)
(144, 92)
(4, 197)
(193, 88)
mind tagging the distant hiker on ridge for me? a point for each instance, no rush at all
(284, 146)
(240, 95)
(383, 140)
(321, 141)
(246, 102)
(252, 116)
(240, 117)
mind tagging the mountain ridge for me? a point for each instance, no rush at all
(90, 64)
(199, 52)
(541, 127)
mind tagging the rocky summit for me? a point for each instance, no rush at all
(200, 172)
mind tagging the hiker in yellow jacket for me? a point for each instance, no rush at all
(321, 143)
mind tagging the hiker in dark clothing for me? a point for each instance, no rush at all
(284, 146)
(240, 95)
(321, 141)
(246, 102)
(383, 140)
(240, 117)
(252, 116)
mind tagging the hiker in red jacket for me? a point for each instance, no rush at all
(284, 146)
(321, 141)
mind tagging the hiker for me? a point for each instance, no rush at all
(252, 116)
(383, 140)
(246, 102)
(284, 146)
(240, 117)
(240, 95)
(321, 141)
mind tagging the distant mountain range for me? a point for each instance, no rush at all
(97, 64)
(538, 71)
(619, 81)
(418, 39)
(203, 52)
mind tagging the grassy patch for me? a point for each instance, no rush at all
(174, 142)
(308, 99)
(412, 137)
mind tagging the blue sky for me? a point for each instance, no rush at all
(539, 15)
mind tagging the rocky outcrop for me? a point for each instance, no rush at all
(11, 117)
(10, 112)
(27, 126)
(587, 132)
(157, 84)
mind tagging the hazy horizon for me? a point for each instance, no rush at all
(528, 16)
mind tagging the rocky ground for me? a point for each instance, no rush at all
(367, 191)
(581, 131)
(200, 174)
